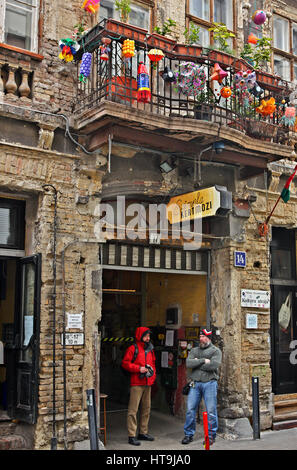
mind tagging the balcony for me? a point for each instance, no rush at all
(175, 119)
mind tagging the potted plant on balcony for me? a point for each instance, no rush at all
(159, 39)
(190, 47)
(258, 57)
(204, 105)
(122, 28)
(221, 52)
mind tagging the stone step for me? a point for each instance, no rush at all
(13, 442)
(284, 397)
(289, 424)
(286, 403)
(285, 415)
(7, 428)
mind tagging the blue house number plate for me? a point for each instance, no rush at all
(240, 259)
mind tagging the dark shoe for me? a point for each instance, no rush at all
(211, 442)
(187, 440)
(145, 437)
(133, 441)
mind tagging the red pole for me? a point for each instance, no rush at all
(205, 426)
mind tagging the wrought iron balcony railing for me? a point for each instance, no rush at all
(114, 78)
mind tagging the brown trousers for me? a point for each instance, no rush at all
(140, 396)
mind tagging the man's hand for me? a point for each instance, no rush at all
(143, 370)
(207, 361)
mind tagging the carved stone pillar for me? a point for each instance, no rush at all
(10, 85)
(24, 88)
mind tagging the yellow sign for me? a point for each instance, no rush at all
(198, 204)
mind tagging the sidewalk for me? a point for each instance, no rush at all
(168, 433)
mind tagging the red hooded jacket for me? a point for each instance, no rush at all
(141, 360)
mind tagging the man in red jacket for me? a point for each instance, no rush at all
(142, 376)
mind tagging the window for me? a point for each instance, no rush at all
(18, 23)
(205, 12)
(138, 16)
(282, 67)
(12, 224)
(281, 33)
(285, 47)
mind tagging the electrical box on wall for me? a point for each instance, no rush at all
(173, 316)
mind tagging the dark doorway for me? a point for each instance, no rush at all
(283, 310)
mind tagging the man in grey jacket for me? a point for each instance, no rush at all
(204, 362)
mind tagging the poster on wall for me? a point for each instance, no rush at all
(255, 298)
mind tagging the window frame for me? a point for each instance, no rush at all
(35, 27)
(145, 4)
(279, 52)
(208, 24)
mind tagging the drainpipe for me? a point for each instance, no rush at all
(73, 242)
(54, 437)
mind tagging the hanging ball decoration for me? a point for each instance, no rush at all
(226, 92)
(91, 6)
(218, 73)
(252, 39)
(155, 56)
(259, 17)
(85, 67)
(128, 49)
(143, 84)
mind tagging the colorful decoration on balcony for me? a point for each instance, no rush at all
(289, 117)
(143, 84)
(128, 49)
(256, 90)
(226, 92)
(259, 17)
(252, 39)
(91, 6)
(167, 75)
(190, 79)
(104, 49)
(218, 73)
(69, 49)
(85, 67)
(267, 107)
(155, 56)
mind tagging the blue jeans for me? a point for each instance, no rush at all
(207, 391)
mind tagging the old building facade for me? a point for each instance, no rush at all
(72, 148)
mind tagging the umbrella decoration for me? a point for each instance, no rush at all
(69, 49)
(143, 84)
(155, 56)
(85, 67)
(218, 73)
(267, 107)
(259, 17)
(190, 79)
(91, 6)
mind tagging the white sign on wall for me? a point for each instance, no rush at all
(255, 298)
(251, 320)
(73, 339)
(74, 320)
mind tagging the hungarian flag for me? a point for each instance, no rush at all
(285, 194)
